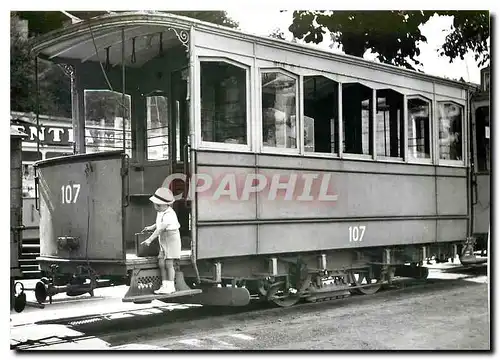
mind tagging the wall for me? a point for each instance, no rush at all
(395, 203)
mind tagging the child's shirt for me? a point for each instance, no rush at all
(167, 220)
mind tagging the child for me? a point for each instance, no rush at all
(166, 230)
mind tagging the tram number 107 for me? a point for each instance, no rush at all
(69, 193)
(356, 233)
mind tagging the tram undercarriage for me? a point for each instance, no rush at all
(285, 279)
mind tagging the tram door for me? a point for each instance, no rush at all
(180, 160)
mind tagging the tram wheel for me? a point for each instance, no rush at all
(283, 299)
(363, 278)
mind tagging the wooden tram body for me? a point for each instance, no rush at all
(481, 161)
(16, 206)
(392, 145)
(18, 300)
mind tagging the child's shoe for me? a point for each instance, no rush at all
(167, 287)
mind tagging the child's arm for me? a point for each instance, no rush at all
(149, 228)
(155, 234)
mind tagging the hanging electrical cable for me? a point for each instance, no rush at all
(161, 44)
(108, 65)
(132, 57)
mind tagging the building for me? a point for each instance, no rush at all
(54, 139)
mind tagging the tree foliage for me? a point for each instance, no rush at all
(277, 34)
(393, 35)
(470, 32)
(54, 95)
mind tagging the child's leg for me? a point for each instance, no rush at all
(161, 263)
(163, 269)
(164, 288)
(169, 264)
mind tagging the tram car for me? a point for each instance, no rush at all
(18, 300)
(16, 137)
(481, 163)
(299, 174)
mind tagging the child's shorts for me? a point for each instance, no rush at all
(170, 245)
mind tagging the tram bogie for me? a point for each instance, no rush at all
(299, 174)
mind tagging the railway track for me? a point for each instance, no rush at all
(117, 327)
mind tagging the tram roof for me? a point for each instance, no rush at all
(78, 40)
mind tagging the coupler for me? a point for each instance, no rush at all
(45, 288)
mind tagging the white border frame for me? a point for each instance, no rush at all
(299, 127)
(210, 145)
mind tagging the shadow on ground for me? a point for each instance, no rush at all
(173, 318)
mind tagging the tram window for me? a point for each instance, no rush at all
(28, 179)
(31, 156)
(50, 154)
(279, 109)
(390, 131)
(419, 128)
(104, 121)
(357, 116)
(486, 81)
(450, 131)
(157, 127)
(482, 138)
(223, 103)
(320, 114)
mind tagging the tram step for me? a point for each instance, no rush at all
(31, 274)
(150, 297)
(31, 246)
(25, 261)
(30, 255)
(29, 266)
(218, 296)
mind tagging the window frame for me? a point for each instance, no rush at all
(372, 133)
(486, 78)
(402, 124)
(146, 147)
(447, 162)
(133, 141)
(473, 138)
(408, 158)
(299, 149)
(330, 155)
(211, 145)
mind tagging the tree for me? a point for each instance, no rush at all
(393, 35)
(54, 94)
(21, 70)
(277, 34)
(470, 32)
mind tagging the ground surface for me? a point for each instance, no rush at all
(449, 312)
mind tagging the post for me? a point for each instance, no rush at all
(322, 262)
(273, 266)
(37, 107)
(123, 89)
(217, 272)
